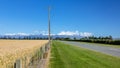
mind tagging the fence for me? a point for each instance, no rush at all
(31, 60)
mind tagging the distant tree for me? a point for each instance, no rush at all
(74, 38)
(57, 38)
(110, 37)
(19, 37)
(66, 38)
(99, 37)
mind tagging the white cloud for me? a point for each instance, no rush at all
(22, 34)
(17, 34)
(69, 33)
(9, 34)
(37, 32)
(84, 34)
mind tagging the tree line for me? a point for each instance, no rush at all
(93, 39)
(24, 38)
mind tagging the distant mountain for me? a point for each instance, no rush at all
(32, 36)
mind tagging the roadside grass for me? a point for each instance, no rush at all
(69, 56)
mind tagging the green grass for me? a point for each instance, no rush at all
(69, 56)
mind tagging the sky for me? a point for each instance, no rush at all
(97, 17)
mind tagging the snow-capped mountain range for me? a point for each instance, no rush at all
(63, 34)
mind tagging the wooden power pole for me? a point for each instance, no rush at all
(49, 25)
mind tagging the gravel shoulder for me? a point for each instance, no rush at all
(103, 49)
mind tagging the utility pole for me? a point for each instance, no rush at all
(49, 25)
(47, 47)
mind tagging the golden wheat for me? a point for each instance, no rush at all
(11, 50)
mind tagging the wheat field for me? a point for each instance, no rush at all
(11, 50)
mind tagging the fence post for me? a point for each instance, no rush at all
(43, 52)
(18, 64)
(25, 64)
(46, 51)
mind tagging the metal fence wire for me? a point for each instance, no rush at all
(32, 60)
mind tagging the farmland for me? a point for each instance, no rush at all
(69, 56)
(62, 55)
(11, 50)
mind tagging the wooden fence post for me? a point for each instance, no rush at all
(18, 64)
(25, 60)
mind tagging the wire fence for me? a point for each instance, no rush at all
(31, 60)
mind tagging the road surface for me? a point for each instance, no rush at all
(95, 47)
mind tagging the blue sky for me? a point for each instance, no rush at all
(100, 17)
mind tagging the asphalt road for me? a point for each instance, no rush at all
(103, 49)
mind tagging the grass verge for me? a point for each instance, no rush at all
(69, 56)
